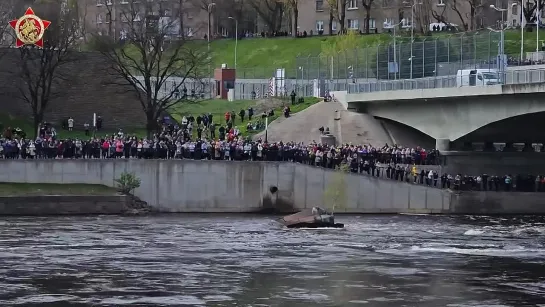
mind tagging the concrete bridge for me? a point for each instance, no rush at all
(454, 116)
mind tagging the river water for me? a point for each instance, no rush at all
(204, 260)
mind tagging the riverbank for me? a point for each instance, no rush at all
(24, 199)
(189, 186)
(49, 189)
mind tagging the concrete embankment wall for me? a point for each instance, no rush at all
(63, 205)
(492, 203)
(224, 186)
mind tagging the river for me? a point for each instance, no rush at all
(209, 260)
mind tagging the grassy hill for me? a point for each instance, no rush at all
(259, 57)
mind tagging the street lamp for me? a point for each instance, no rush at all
(501, 47)
(412, 33)
(209, 13)
(236, 39)
(390, 26)
(210, 5)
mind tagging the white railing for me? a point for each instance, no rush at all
(509, 77)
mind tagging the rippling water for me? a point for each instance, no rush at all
(196, 260)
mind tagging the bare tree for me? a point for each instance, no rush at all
(39, 68)
(7, 13)
(423, 15)
(367, 5)
(468, 19)
(270, 11)
(337, 10)
(529, 10)
(156, 63)
(332, 7)
(293, 6)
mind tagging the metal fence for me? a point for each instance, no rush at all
(405, 65)
(519, 76)
(427, 62)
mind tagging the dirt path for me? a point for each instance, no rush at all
(303, 126)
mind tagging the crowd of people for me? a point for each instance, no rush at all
(430, 177)
(173, 141)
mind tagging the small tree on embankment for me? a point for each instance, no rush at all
(335, 192)
(127, 183)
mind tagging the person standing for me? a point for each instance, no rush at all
(70, 124)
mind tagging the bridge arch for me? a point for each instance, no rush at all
(526, 128)
(452, 119)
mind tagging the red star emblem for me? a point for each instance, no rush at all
(29, 29)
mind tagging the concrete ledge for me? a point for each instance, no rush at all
(63, 205)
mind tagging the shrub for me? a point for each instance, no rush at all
(127, 183)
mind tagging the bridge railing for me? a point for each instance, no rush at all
(524, 76)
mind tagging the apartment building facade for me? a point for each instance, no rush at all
(315, 14)
(516, 16)
(110, 17)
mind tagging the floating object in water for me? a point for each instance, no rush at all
(311, 218)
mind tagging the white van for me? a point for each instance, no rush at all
(477, 77)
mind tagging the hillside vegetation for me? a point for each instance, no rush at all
(259, 57)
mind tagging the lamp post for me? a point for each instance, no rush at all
(389, 26)
(501, 47)
(412, 36)
(236, 39)
(210, 5)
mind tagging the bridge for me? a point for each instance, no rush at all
(455, 116)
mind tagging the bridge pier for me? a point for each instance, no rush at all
(442, 144)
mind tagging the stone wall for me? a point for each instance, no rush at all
(63, 205)
(87, 85)
(491, 203)
(228, 186)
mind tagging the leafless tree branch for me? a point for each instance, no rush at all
(154, 60)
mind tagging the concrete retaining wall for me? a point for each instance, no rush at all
(497, 203)
(62, 205)
(224, 186)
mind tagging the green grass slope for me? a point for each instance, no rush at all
(259, 57)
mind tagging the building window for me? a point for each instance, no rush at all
(100, 2)
(514, 9)
(189, 32)
(389, 22)
(334, 25)
(405, 23)
(319, 5)
(440, 3)
(352, 4)
(319, 25)
(372, 23)
(542, 13)
(353, 24)
(99, 19)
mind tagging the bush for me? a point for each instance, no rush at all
(127, 183)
